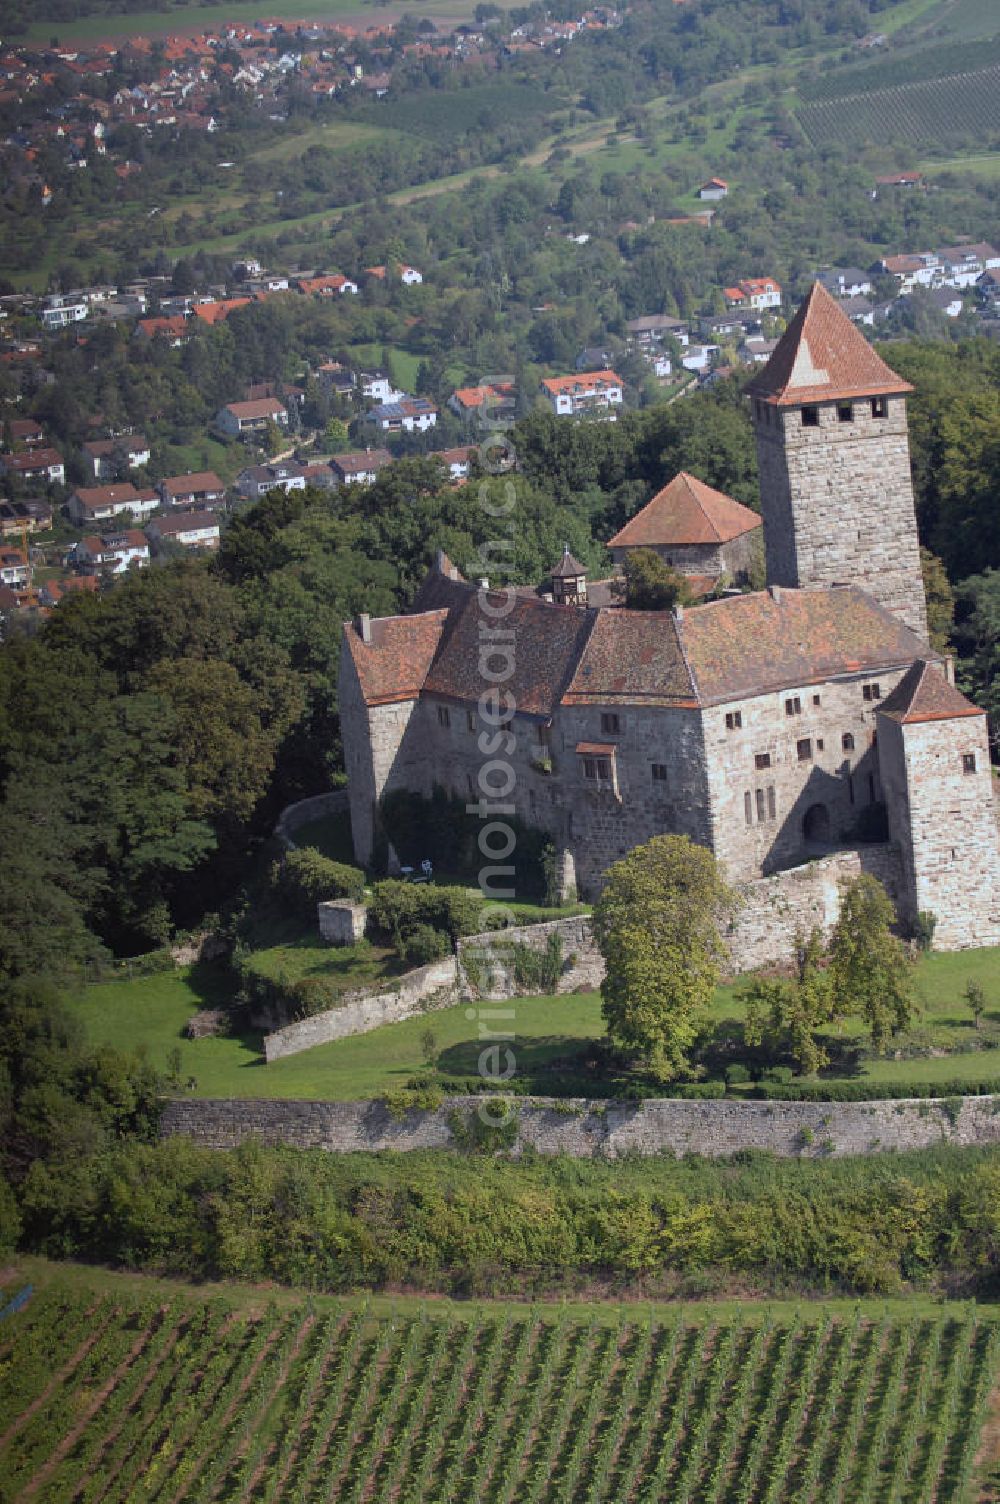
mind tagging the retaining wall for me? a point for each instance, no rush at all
(420, 991)
(306, 810)
(585, 1129)
(489, 973)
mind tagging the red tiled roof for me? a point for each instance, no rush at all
(632, 655)
(585, 381)
(188, 485)
(95, 497)
(175, 327)
(394, 665)
(214, 313)
(264, 407)
(686, 511)
(773, 640)
(821, 357)
(924, 694)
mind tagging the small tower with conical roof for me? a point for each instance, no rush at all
(832, 451)
(569, 581)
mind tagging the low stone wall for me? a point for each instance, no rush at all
(773, 908)
(305, 811)
(586, 1129)
(419, 991)
(485, 961)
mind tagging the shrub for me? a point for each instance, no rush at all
(425, 944)
(306, 877)
(397, 909)
(923, 929)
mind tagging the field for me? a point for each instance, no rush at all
(186, 18)
(116, 1389)
(928, 113)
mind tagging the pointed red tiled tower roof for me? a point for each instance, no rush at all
(686, 511)
(821, 357)
(924, 694)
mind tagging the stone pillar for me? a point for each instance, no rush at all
(341, 922)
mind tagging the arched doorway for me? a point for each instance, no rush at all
(816, 824)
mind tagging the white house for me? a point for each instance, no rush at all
(457, 461)
(921, 269)
(846, 282)
(699, 357)
(283, 475)
(113, 552)
(41, 466)
(239, 418)
(713, 190)
(408, 415)
(377, 386)
(201, 490)
(15, 570)
(754, 292)
(963, 265)
(189, 529)
(104, 456)
(653, 328)
(90, 504)
(60, 311)
(359, 468)
(585, 392)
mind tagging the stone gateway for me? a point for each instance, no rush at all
(773, 727)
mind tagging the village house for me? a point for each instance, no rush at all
(238, 419)
(491, 399)
(25, 433)
(112, 553)
(336, 378)
(281, 475)
(175, 331)
(54, 591)
(378, 386)
(713, 190)
(771, 727)
(200, 490)
(90, 504)
(15, 571)
(919, 269)
(195, 530)
(652, 329)
(586, 392)
(35, 467)
(407, 415)
(59, 312)
(326, 287)
(458, 461)
(698, 358)
(408, 275)
(20, 517)
(846, 281)
(754, 292)
(359, 468)
(108, 457)
(963, 265)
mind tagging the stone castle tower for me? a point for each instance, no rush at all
(836, 495)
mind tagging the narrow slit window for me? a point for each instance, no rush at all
(968, 762)
(761, 806)
(880, 407)
(444, 716)
(772, 804)
(748, 807)
(659, 772)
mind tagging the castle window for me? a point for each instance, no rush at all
(793, 706)
(761, 806)
(470, 719)
(817, 700)
(968, 762)
(772, 807)
(871, 692)
(819, 744)
(659, 772)
(845, 412)
(805, 749)
(610, 723)
(810, 417)
(880, 407)
(444, 717)
(847, 742)
(762, 760)
(748, 807)
(597, 769)
(734, 720)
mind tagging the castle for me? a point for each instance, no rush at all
(771, 727)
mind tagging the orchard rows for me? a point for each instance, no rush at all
(115, 1399)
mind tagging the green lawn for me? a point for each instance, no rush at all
(153, 1012)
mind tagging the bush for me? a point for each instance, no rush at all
(398, 909)
(306, 877)
(864, 1090)
(425, 944)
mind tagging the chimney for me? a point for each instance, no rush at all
(363, 626)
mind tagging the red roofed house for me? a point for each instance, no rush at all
(695, 529)
(188, 529)
(755, 292)
(491, 398)
(113, 552)
(175, 330)
(40, 466)
(714, 189)
(201, 490)
(106, 457)
(90, 504)
(326, 287)
(586, 392)
(237, 419)
(217, 313)
(808, 723)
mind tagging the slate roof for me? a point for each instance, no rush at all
(821, 357)
(545, 648)
(777, 639)
(632, 656)
(393, 666)
(686, 511)
(924, 694)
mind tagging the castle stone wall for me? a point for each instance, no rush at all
(489, 973)
(294, 816)
(584, 1129)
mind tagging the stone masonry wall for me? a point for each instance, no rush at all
(837, 501)
(419, 991)
(293, 816)
(582, 961)
(586, 1129)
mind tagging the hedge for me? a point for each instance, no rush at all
(306, 877)
(400, 910)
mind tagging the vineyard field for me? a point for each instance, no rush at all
(108, 1396)
(930, 113)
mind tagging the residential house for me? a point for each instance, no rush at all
(217, 312)
(660, 364)
(282, 475)
(858, 310)
(25, 432)
(336, 378)
(360, 467)
(201, 490)
(408, 275)
(35, 467)
(586, 392)
(54, 591)
(593, 359)
(15, 571)
(320, 474)
(237, 419)
(188, 529)
(698, 358)
(20, 517)
(754, 292)
(491, 399)
(963, 265)
(919, 269)
(846, 281)
(653, 328)
(90, 504)
(408, 415)
(988, 289)
(458, 461)
(756, 350)
(326, 287)
(377, 385)
(724, 325)
(713, 190)
(107, 457)
(112, 553)
(946, 300)
(898, 180)
(59, 312)
(175, 330)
